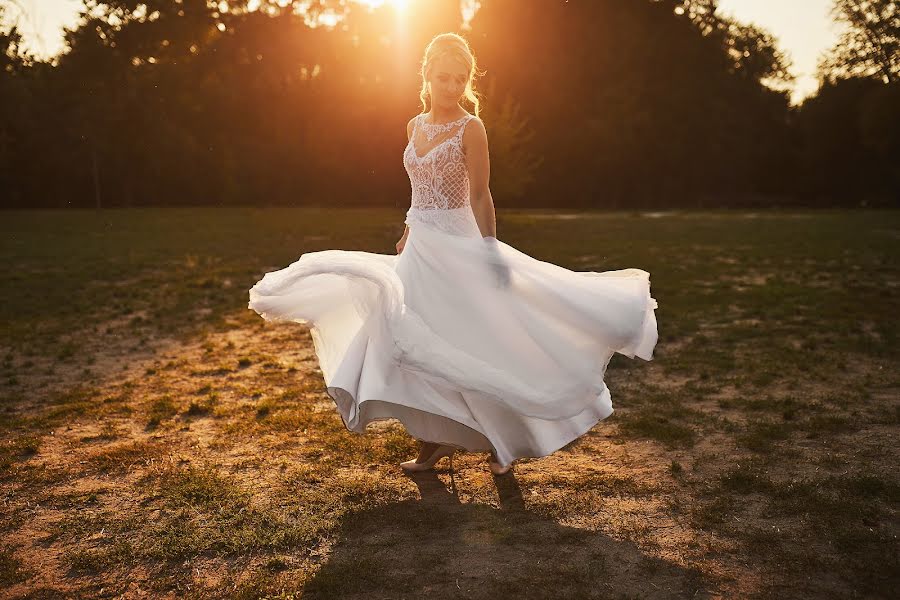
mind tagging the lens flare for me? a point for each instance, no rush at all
(398, 5)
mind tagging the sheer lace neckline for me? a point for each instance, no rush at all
(432, 149)
(431, 131)
(439, 178)
(426, 123)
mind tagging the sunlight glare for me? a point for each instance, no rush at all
(398, 5)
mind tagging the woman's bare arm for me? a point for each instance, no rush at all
(402, 241)
(475, 145)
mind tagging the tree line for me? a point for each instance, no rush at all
(587, 103)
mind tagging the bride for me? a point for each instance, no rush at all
(470, 343)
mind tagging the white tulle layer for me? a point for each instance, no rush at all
(433, 338)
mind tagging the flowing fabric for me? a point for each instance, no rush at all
(464, 339)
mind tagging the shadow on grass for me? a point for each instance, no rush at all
(442, 547)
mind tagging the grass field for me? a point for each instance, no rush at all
(159, 439)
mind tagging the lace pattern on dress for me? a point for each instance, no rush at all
(457, 221)
(439, 179)
(431, 130)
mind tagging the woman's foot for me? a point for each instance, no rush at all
(496, 469)
(426, 449)
(429, 454)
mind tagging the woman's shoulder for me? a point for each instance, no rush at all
(474, 134)
(474, 126)
(411, 124)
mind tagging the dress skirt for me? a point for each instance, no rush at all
(465, 340)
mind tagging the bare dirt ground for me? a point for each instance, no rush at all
(159, 440)
(219, 468)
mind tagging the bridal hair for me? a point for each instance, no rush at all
(450, 44)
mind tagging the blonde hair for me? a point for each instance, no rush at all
(450, 44)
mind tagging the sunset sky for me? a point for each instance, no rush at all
(803, 27)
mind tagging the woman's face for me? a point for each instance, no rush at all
(447, 81)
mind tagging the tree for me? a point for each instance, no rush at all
(16, 99)
(513, 163)
(635, 102)
(851, 134)
(753, 51)
(588, 103)
(871, 44)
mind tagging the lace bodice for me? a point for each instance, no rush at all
(439, 178)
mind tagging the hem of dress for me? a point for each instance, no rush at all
(351, 415)
(503, 458)
(644, 343)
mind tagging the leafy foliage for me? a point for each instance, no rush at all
(870, 45)
(591, 103)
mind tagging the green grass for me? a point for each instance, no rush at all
(664, 423)
(762, 435)
(19, 448)
(161, 408)
(11, 570)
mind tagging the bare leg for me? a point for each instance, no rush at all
(429, 454)
(426, 449)
(496, 469)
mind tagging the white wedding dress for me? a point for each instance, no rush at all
(465, 340)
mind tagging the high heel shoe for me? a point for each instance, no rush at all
(439, 453)
(496, 469)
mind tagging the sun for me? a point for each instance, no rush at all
(399, 5)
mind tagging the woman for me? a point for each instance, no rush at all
(470, 343)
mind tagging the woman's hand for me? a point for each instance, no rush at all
(497, 262)
(401, 243)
